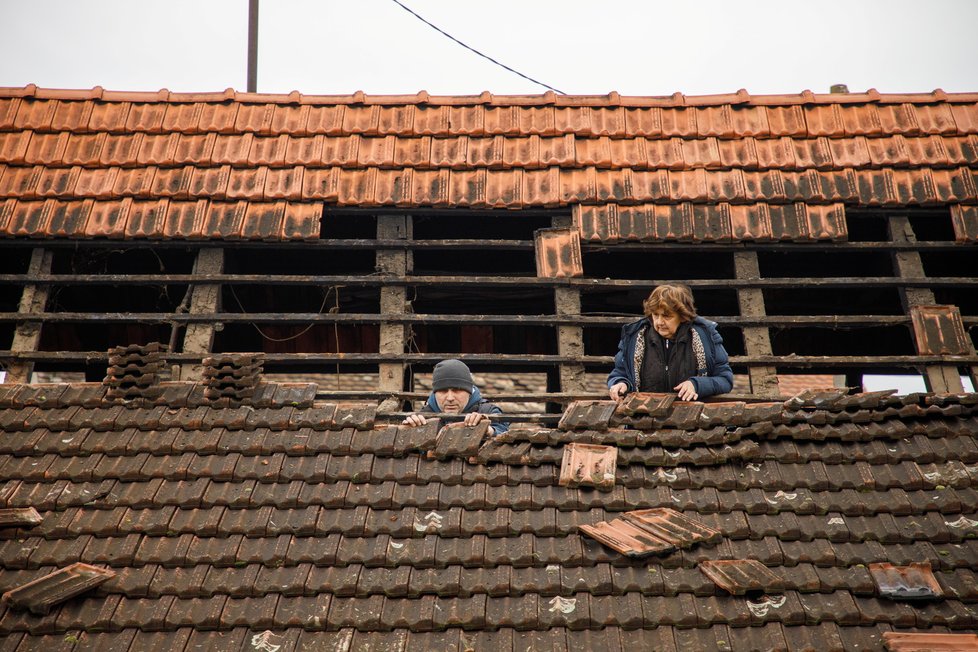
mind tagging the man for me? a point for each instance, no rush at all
(454, 392)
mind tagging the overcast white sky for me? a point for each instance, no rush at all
(650, 47)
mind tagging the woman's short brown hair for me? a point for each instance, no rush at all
(674, 298)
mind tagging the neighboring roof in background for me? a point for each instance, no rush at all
(97, 163)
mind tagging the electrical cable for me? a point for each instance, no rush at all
(473, 50)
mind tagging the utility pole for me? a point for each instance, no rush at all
(252, 46)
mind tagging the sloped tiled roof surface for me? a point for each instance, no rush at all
(85, 164)
(296, 526)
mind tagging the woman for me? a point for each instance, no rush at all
(681, 352)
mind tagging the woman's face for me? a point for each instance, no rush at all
(665, 322)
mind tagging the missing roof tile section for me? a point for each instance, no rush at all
(912, 582)
(43, 593)
(738, 576)
(558, 253)
(460, 440)
(650, 532)
(646, 403)
(939, 330)
(24, 517)
(916, 642)
(589, 465)
(588, 415)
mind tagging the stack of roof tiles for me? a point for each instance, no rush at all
(232, 377)
(95, 163)
(134, 372)
(309, 526)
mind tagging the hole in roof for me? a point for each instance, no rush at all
(874, 340)
(525, 340)
(676, 266)
(932, 226)
(866, 226)
(844, 264)
(864, 300)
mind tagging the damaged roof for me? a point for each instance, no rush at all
(96, 163)
(303, 526)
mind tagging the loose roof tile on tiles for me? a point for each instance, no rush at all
(40, 595)
(739, 576)
(912, 582)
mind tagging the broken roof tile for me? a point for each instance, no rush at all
(911, 582)
(739, 576)
(43, 593)
(588, 465)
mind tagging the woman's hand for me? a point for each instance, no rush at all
(617, 392)
(687, 391)
(472, 418)
(414, 420)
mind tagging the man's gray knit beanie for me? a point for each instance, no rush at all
(451, 374)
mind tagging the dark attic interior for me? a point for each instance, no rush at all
(217, 309)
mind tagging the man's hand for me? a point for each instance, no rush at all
(414, 420)
(473, 418)
(617, 392)
(687, 391)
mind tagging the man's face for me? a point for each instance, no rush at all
(452, 400)
(665, 322)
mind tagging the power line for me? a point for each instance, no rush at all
(471, 49)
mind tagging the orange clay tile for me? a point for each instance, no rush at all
(233, 150)
(559, 150)
(20, 182)
(467, 120)
(46, 149)
(182, 118)
(247, 184)
(751, 222)
(26, 218)
(740, 153)
(134, 182)
(157, 149)
(375, 151)
(486, 152)
(210, 182)
(636, 223)
(849, 152)
(268, 150)
(320, 184)
(109, 116)
(468, 188)
(922, 641)
(714, 121)
(828, 222)
(517, 152)
(13, 146)
(224, 220)
(290, 119)
(68, 218)
(285, 183)
(861, 120)
(588, 465)
(57, 182)
(775, 153)
(962, 150)
(193, 149)
(928, 151)
(593, 152)
(644, 122)
(304, 151)
(950, 186)
(72, 116)
(121, 150)
(607, 122)
(538, 121)
(701, 153)
(597, 223)
(185, 219)
(254, 118)
(108, 219)
(711, 223)
(541, 187)
(218, 118)
(84, 149)
(431, 120)
(898, 119)
(35, 114)
(146, 117)
(786, 121)
(749, 121)
(448, 152)
(341, 150)
(813, 153)
(263, 221)
(679, 122)
(326, 120)
(358, 187)
(173, 183)
(361, 120)
(965, 222)
(395, 187)
(8, 112)
(504, 188)
(558, 253)
(501, 120)
(301, 221)
(97, 184)
(628, 153)
(934, 118)
(577, 185)
(938, 330)
(395, 120)
(889, 151)
(147, 219)
(666, 153)
(965, 118)
(823, 120)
